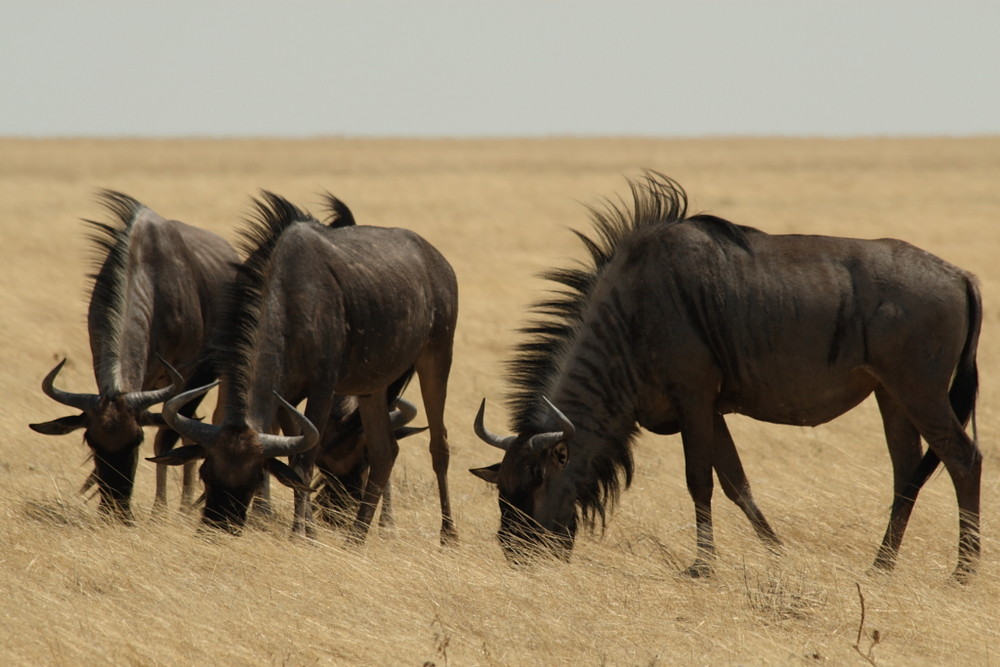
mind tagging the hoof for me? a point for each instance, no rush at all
(449, 537)
(189, 506)
(304, 529)
(303, 537)
(775, 546)
(699, 570)
(877, 570)
(356, 535)
(884, 562)
(963, 574)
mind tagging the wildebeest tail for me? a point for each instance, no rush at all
(964, 387)
(399, 385)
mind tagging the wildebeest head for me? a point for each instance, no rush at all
(113, 430)
(342, 460)
(236, 458)
(538, 511)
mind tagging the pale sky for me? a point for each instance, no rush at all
(429, 68)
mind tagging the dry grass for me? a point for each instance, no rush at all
(74, 590)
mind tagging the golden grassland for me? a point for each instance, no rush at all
(75, 590)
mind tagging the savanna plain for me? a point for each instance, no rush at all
(75, 589)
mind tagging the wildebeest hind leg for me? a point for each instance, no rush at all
(961, 457)
(903, 440)
(734, 482)
(433, 369)
(382, 451)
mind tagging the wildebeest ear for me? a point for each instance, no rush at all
(559, 455)
(489, 474)
(60, 426)
(286, 475)
(179, 456)
(153, 419)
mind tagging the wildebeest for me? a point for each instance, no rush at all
(321, 312)
(156, 296)
(680, 320)
(342, 460)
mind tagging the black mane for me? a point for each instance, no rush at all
(338, 214)
(110, 261)
(656, 200)
(234, 344)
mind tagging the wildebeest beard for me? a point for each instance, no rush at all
(114, 474)
(524, 540)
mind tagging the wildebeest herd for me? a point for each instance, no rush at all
(675, 321)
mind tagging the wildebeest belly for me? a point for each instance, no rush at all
(376, 357)
(802, 399)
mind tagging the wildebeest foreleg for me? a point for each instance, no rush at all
(164, 442)
(734, 482)
(166, 439)
(382, 451)
(304, 464)
(385, 517)
(262, 506)
(903, 440)
(697, 436)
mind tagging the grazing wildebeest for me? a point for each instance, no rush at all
(322, 312)
(156, 292)
(680, 320)
(342, 462)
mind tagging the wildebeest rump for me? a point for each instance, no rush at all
(156, 295)
(324, 311)
(680, 320)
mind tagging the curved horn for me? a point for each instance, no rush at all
(191, 429)
(403, 414)
(283, 445)
(568, 430)
(79, 401)
(143, 400)
(491, 438)
(544, 440)
(176, 379)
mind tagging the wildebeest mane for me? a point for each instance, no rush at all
(338, 214)
(234, 343)
(110, 261)
(656, 200)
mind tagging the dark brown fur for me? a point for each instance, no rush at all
(680, 320)
(323, 311)
(156, 295)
